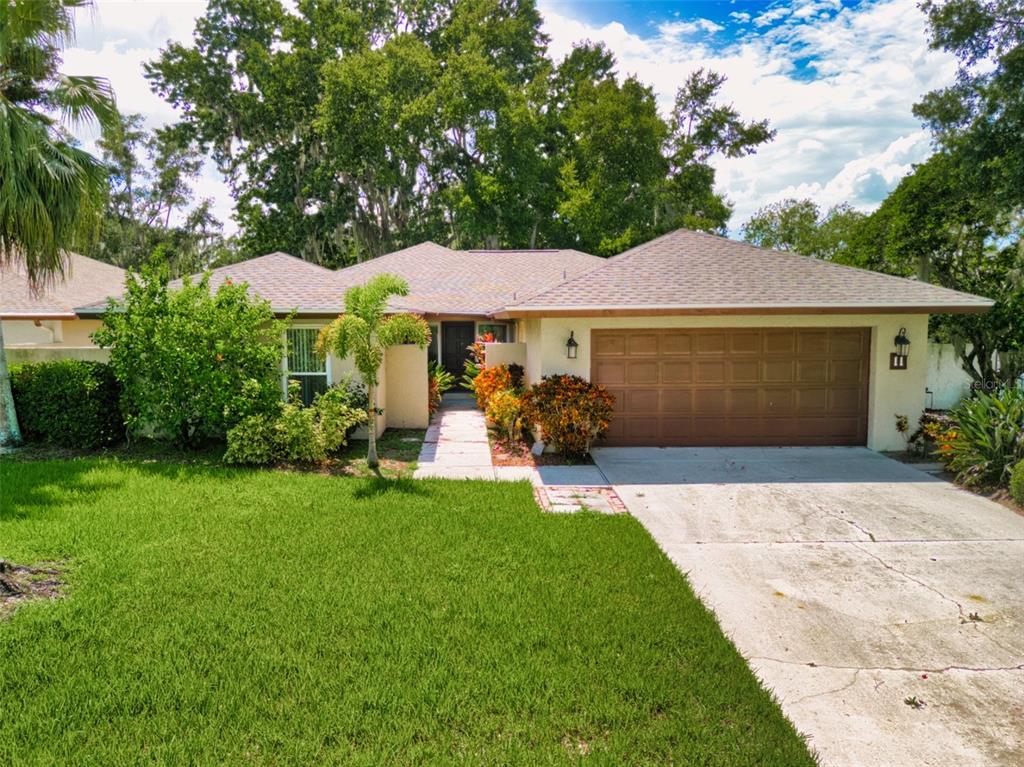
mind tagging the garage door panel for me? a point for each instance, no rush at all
(778, 371)
(743, 386)
(642, 373)
(607, 345)
(676, 401)
(709, 401)
(779, 343)
(642, 344)
(745, 371)
(745, 343)
(676, 372)
(677, 343)
(610, 373)
(811, 343)
(642, 401)
(744, 402)
(812, 371)
(710, 373)
(846, 371)
(711, 343)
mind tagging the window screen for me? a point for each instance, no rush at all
(303, 365)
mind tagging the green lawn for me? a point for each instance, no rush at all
(218, 616)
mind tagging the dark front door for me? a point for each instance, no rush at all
(455, 338)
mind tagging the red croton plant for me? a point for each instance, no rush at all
(571, 410)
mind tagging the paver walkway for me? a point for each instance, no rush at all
(456, 447)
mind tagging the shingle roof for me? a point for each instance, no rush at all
(445, 281)
(86, 281)
(698, 272)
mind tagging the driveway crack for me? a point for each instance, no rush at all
(918, 581)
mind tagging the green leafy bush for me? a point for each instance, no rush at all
(505, 410)
(193, 363)
(987, 440)
(440, 381)
(295, 434)
(571, 411)
(69, 403)
(1017, 483)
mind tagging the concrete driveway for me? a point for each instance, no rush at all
(883, 606)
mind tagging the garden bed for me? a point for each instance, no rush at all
(507, 453)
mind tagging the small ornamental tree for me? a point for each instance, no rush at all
(365, 331)
(192, 363)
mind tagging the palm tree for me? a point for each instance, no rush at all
(365, 332)
(51, 192)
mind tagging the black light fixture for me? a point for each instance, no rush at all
(898, 359)
(571, 346)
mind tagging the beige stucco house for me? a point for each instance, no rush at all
(703, 340)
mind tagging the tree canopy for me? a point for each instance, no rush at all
(349, 129)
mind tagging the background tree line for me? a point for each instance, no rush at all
(350, 129)
(956, 220)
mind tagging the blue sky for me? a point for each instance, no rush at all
(836, 78)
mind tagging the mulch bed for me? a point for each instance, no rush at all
(21, 583)
(505, 453)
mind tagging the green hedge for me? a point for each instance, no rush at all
(1017, 483)
(69, 403)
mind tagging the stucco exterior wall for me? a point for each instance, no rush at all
(947, 381)
(51, 333)
(405, 400)
(505, 354)
(18, 355)
(891, 392)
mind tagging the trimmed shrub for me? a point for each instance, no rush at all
(571, 411)
(490, 381)
(295, 434)
(193, 361)
(505, 410)
(1017, 483)
(68, 403)
(987, 440)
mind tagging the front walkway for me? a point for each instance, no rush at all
(456, 447)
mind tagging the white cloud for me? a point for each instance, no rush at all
(845, 127)
(680, 28)
(741, 17)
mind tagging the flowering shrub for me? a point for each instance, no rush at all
(505, 410)
(490, 381)
(475, 361)
(987, 440)
(570, 410)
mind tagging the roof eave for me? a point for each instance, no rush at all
(736, 309)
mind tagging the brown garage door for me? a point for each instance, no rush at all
(742, 386)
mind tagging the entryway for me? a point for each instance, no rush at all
(456, 337)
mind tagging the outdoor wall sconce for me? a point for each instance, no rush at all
(898, 359)
(571, 347)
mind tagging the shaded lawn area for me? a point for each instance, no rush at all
(397, 449)
(224, 616)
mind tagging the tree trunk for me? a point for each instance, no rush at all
(10, 434)
(371, 427)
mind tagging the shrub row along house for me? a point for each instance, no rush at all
(702, 340)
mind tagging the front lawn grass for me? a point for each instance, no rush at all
(217, 616)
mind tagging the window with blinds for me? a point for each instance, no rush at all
(303, 365)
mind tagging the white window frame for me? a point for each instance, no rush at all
(287, 374)
(510, 330)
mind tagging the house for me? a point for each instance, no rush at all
(703, 340)
(43, 325)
